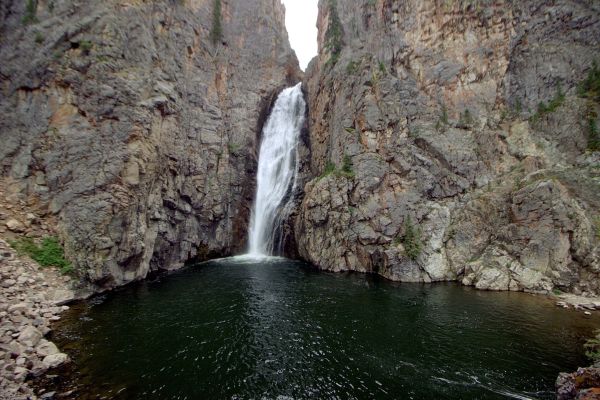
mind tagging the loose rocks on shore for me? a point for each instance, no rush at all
(581, 385)
(582, 303)
(30, 299)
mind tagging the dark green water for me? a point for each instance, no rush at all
(280, 330)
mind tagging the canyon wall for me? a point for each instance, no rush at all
(133, 125)
(431, 158)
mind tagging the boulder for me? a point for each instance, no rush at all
(46, 348)
(581, 385)
(54, 360)
(30, 336)
(15, 226)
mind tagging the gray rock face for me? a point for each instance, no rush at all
(125, 122)
(450, 174)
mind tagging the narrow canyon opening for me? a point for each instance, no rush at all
(301, 26)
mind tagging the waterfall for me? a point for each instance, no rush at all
(277, 169)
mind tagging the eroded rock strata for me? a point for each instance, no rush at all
(431, 158)
(134, 124)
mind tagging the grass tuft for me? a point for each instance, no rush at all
(48, 254)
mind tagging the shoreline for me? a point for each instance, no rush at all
(27, 356)
(31, 299)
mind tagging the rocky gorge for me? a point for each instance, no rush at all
(468, 151)
(135, 128)
(144, 153)
(444, 141)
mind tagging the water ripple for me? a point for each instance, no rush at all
(242, 328)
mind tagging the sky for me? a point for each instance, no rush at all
(301, 24)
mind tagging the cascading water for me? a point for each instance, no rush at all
(277, 168)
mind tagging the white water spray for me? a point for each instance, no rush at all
(277, 168)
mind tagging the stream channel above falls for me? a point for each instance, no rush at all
(239, 328)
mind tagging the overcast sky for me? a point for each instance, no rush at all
(301, 23)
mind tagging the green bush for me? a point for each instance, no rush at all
(30, 12)
(444, 116)
(557, 101)
(443, 119)
(49, 253)
(466, 118)
(590, 86)
(347, 167)
(411, 240)
(352, 67)
(233, 148)
(593, 135)
(216, 31)
(345, 171)
(518, 107)
(592, 348)
(39, 38)
(329, 169)
(85, 46)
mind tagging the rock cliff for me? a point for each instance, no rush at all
(134, 124)
(455, 140)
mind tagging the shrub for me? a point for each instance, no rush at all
(85, 46)
(382, 67)
(30, 11)
(590, 86)
(216, 31)
(233, 148)
(518, 107)
(352, 67)
(329, 169)
(443, 119)
(49, 253)
(593, 135)
(444, 116)
(347, 166)
(345, 171)
(592, 348)
(411, 240)
(466, 118)
(557, 101)
(39, 38)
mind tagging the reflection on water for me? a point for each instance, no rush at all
(243, 328)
